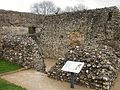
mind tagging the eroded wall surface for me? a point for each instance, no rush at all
(60, 32)
(57, 33)
(22, 50)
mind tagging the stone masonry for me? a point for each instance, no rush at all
(57, 33)
(100, 69)
(96, 32)
(22, 50)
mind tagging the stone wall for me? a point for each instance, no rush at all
(100, 69)
(12, 18)
(57, 33)
(13, 30)
(22, 50)
(60, 32)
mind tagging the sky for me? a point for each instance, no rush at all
(24, 5)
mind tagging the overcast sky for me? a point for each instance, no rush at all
(24, 5)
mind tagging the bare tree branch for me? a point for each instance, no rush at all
(78, 7)
(45, 7)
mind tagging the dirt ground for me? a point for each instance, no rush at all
(33, 80)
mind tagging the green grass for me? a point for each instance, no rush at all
(4, 85)
(6, 66)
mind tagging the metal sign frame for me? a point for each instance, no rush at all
(72, 67)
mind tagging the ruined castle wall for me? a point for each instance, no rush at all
(14, 30)
(23, 50)
(12, 18)
(57, 33)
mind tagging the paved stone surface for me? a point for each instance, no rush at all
(49, 63)
(33, 80)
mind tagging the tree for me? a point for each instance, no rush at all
(45, 8)
(78, 7)
(118, 7)
(69, 9)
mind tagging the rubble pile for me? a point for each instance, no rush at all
(100, 69)
(22, 50)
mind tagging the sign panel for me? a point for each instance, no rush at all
(72, 66)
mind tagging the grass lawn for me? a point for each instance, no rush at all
(5, 85)
(6, 66)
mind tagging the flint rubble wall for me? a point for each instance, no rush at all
(23, 50)
(57, 33)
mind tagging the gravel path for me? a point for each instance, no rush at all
(33, 80)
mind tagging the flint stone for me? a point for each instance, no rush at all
(23, 50)
(100, 68)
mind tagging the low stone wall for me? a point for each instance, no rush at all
(1, 54)
(100, 69)
(22, 50)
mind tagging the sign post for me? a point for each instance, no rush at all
(72, 79)
(72, 67)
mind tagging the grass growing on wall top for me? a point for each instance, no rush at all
(6, 66)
